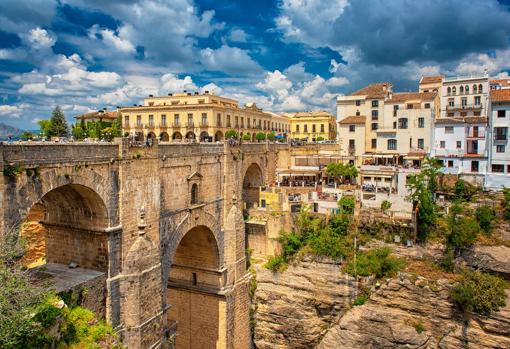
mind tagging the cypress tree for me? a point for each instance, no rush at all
(58, 124)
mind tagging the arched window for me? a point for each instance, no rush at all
(474, 88)
(449, 91)
(461, 90)
(194, 194)
(454, 90)
(466, 89)
(480, 88)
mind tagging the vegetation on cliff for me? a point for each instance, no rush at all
(32, 316)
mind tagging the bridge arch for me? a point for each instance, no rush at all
(253, 179)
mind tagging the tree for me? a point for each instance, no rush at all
(485, 216)
(246, 138)
(44, 127)
(26, 135)
(385, 205)
(58, 123)
(347, 204)
(463, 228)
(341, 171)
(231, 134)
(260, 136)
(78, 132)
(271, 136)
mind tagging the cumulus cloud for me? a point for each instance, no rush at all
(111, 39)
(237, 35)
(39, 38)
(12, 111)
(230, 60)
(172, 83)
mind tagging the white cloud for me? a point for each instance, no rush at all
(238, 35)
(296, 72)
(112, 40)
(231, 60)
(480, 63)
(172, 83)
(276, 82)
(12, 111)
(337, 81)
(39, 38)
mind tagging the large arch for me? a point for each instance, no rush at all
(190, 135)
(252, 181)
(204, 136)
(193, 285)
(218, 136)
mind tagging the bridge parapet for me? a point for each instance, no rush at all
(35, 153)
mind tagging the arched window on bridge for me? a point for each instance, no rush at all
(194, 194)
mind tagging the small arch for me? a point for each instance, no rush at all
(163, 137)
(474, 88)
(204, 136)
(480, 88)
(194, 194)
(461, 90)
(218, 136)
(454, 90)
(177, 136)
(466, 89)
(449, 91)
(190, 135)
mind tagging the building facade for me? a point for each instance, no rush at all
(194, 116)
(312, 126)
(460, 131)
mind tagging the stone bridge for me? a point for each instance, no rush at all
(158, 232)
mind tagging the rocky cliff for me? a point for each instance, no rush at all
(310, 306)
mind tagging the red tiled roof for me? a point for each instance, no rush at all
(500, 95)
(99, 114)
(377, 90)
(475, 120)
(431, 79)
(502, 82)
(449, 121)
(360, 119)
(406, 96)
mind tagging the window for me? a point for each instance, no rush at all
(450, 163)
(392, 144)
(352, 144)
(478, 100)
(163, 120)
(501, 113)
(352, 128)
(358, 102)
(500, 148)
(477, 113)
(237, 122)
(480, 88)
(313, 128)
(194, 194)
(498, 168)
(358, 113)
(461, 90)
(228, 120)
(459, 144)
(126, 120)
(263, 203)
(297, 128)
(322, 128)
(448, 91)
(451, 102)
(463, 101)
(375, 114)
(474, 88)
(375, 126)
(176, 120)
(190, 119)
(410, 106)
(139, 120)
(474, 166)
(394, 125)
(305, 128)
(427, 105)
(448, 129)
(442, 144)
(500, 133)
(375, 104)
(454, 90)
(450, 115)
(402, 123)
(421, 122)
(218, 119)
(395, 110)
(374, 143)
(204, 119)
(466, 89)
(421, 143)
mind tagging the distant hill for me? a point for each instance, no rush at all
(6, 131)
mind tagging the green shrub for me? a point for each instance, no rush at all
(506, 203)
(479, 292)
(12, 171)
(260, 136)
(463, 228)
(271, 136)
(246, 138)
(319, 139)
(485, 216)
(385, 205)
(340, 223)
(419, 327)
(276, 264)
(448, 261)
(347, 204)
(378, 262)
(231, 134)
(291, 243)
(328, 243)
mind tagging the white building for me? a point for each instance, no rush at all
(459, 138)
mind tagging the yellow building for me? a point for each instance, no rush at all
(312, 126)
(189, 116)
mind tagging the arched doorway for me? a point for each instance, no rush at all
(190, 135)
(177, 137)
(253, 139)
(193, 288)
(204, 136)
(67, 240)
(218, 137)
(139, 137)
(151, 135)
(252, 181)
(163, 137)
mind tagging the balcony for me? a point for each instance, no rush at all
(351, 150)
(190, 124)
(163, 125)
(475, 134)
(176, 124)
(472, 148)
(204, 124)
(455, 107)
(500, 138)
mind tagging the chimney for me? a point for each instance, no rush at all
(170, 94)
(185, 91)
(206, 92)
(196, 93)
(151, 96)
(189, 93)
(105, 108)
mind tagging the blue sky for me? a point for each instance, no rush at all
(285, 55)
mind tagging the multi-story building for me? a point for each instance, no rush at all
(367, 102)
(193, 116)
(460, 130)
(430, 83)
(312, 126)
(499, 151)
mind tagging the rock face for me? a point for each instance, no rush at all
(295, 308)
(490, 258)
(413, 313)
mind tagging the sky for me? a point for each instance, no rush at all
(286, 55)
